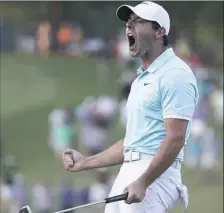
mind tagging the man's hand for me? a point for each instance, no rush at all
(73, 160)
(136, 191)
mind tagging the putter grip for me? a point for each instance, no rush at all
(116, 198)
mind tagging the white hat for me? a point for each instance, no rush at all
(146, 10)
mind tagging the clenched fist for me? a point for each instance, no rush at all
(73, 161)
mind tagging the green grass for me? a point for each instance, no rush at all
(32, 86)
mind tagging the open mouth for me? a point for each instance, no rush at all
(131, 40)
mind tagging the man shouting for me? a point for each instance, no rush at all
(160, 107)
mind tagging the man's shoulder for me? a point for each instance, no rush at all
(177, 68)
(178, 63)
(177, 73)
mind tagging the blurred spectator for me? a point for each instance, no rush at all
(101, 188)
(43, 37)
(93, 46)
(194, 61)
(96, 117)
(42, 198)
(90, 135)
(182, 48)
(69, 39)
(69, 196)
(6, 199)
(209, 150)
(122, 49)
(202, 151)
(26, 43)
(76, 46)
(19, 191)
(216, 101)
(64, 37)
(61, 121)
(106, 108)
(66, 195)
(81, 196)
(10, 169)
(193, 149)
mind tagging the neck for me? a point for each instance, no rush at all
(150, 56)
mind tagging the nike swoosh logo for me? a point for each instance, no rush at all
(145, 84)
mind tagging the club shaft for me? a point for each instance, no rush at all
(79, 207)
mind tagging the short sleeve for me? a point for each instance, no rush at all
(179, 95)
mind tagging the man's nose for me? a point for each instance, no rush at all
(129, 25)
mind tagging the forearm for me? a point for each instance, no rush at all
(110, 157)
(163, 159)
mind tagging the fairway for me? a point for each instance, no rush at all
(31, 86)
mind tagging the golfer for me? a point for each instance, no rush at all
(160, 107)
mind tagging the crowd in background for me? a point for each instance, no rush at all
(86, 127)
(88, 124)
(45, 197)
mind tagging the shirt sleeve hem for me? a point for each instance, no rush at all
(178, 117)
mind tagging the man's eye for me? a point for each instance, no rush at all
(140, 21)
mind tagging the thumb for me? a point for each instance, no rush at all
(125, 190)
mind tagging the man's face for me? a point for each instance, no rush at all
(140, 35)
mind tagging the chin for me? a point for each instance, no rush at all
(134, 54)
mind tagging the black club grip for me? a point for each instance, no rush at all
(117, 198)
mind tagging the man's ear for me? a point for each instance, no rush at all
(160, 33)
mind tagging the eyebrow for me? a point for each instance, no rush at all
(133, 19)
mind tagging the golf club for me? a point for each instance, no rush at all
(27, 209)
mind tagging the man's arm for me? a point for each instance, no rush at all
(178, 98)
(110, 157)
(74, 161)
(168, 150)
